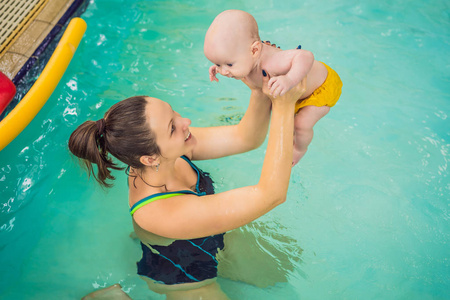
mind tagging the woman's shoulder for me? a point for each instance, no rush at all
(138, 190)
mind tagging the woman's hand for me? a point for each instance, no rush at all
(291, 96)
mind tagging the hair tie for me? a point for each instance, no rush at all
(100, 126)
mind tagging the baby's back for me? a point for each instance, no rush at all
(279, 62)
(315, 78)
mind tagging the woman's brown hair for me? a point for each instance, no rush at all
(124, 132)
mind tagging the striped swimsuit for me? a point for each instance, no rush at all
(183, 261)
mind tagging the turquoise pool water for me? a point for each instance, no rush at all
(368, 205)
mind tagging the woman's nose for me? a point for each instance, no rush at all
(186, 123)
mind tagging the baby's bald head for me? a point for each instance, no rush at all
(231, 27)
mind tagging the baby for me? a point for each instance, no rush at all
(233, 45)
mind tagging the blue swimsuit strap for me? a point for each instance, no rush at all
(198, 174)
(158, 196)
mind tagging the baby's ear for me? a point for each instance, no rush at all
(256, 48)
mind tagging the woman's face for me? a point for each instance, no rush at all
(172, 131)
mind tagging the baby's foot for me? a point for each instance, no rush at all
(297, 155)
(295, 158)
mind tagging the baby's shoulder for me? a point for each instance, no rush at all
(279, 61)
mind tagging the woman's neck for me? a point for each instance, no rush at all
(165, 177)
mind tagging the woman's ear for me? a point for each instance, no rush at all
(256, 48)
(148, 160)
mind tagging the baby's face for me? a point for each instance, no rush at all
(232, 60)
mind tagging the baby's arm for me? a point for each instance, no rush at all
(294, 64)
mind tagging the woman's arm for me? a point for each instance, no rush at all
(249, 134)
(184, 217)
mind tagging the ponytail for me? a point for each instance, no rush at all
(87, 142)
(124, 133)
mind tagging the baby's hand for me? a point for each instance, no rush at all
(293, 94)
(279, 85)
(212, 73)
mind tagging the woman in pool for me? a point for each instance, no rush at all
(175, 213)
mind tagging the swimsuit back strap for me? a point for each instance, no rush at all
(160, 196)
(155, 197)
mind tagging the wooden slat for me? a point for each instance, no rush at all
(15, 17)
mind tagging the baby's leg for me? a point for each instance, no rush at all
(304, 121)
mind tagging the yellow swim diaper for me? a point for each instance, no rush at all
(325, 95)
